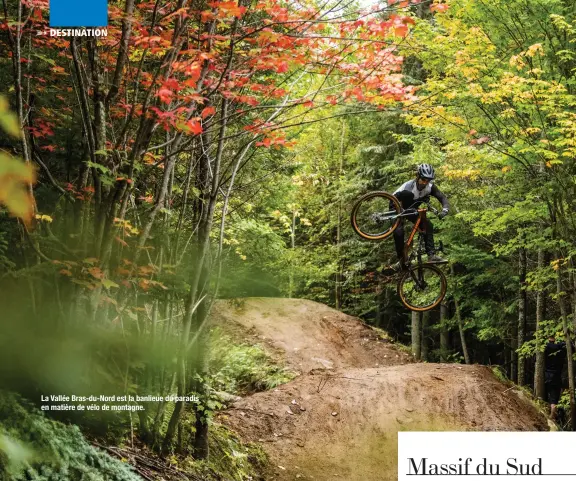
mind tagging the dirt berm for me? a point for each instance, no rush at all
(338, 420)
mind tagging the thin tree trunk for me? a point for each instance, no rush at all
(416, 336)
(461, 330)
(522, 315)
(424, 338)
(539, 390)
(192, 346)
(292, 246)
(338, 287)
(564, 314)
(444, 334)
(513, 374)
(460, 325)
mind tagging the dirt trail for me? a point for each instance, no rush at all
(339, 419)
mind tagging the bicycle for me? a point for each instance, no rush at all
(422, 286)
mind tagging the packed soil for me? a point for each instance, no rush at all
(339, 419)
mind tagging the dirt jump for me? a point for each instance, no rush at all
(339, 418)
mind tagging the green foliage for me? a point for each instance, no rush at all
(500, 374)
(242, 368)
(34, 448)
(232, 459)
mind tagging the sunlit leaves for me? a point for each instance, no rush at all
(15, 177)
(8, 121)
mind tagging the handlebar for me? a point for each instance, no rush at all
(413, 210)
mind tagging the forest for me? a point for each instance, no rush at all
(209, 151)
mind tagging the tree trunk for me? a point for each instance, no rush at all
(564, 314)
(461, 330)
(292, 247)
(424, 339)
(521, 315)
(338, 287)
(460, 325)
(416, 336)
(444, 334)
(539, 391)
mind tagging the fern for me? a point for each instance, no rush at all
(35, 448)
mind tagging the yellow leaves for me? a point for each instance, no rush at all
(15, 177)
(297, 180)
(517, 61)
(469, 173)
(107, 283)
(43, 217)
(508, 114)
(469, 72)
(127, 226)
(8, 121)
(506, 168)
(532, 130)
(535, 49)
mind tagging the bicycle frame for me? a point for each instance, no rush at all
(421, 220)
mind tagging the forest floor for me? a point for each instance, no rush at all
(339, 418)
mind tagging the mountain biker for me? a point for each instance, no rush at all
(410, 195)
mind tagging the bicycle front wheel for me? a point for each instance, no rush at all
(375, 215)
(422, 287)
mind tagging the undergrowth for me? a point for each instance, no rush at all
(230, 459)
(35, 448)
(242, 369)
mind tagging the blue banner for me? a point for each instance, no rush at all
(75, 13)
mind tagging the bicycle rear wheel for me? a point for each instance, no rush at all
(422, 287)
(372, 218)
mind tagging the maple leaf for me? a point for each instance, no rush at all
(165, 95)
(206, 16)
(266, 142)
(282, 67)
(401, 31)
(208, 111)
(148, 199)
(439, 7)
(194, 127)
(96, 272)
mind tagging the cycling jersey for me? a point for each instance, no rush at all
(409, 195)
